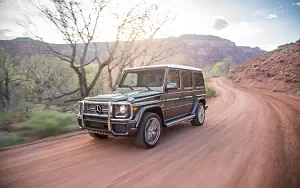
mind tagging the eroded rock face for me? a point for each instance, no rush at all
(278, 70)
(193, 50)
(206, 50)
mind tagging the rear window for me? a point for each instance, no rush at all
(198, 79)
(187, 79)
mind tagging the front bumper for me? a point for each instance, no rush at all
(127, 128)
(108, 125)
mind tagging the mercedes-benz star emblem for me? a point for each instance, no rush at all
(98, 109)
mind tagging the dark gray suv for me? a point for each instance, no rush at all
(146, 100)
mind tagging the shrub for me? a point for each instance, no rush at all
(11, 139)
(9, 117)
(47, 123)
(210, 92)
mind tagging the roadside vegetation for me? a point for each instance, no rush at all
(39, 125)
(217, 70)
(209, 92)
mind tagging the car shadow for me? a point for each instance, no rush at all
(169, 135)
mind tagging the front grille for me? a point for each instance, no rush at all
(97, 125)
(95, 119)
(91, 109)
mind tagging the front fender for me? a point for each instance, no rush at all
(141, 112)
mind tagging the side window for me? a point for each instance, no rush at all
(198, 79)
(173, 76)
(187, 79)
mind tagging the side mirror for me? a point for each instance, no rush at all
(172, 85)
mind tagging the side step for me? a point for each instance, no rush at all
(187, 118)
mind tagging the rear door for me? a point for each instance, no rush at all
(187, 94)
(199, 84)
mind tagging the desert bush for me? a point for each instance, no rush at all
(210, 92)
(9, 117)
(47, 123)
(11, 139)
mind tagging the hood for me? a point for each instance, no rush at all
(123, 96)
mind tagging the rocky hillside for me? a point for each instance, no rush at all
(278, 70)
(207, 50)
(194, 50)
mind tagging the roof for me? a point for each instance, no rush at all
(166, 66)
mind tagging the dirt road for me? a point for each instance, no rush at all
(250, 139)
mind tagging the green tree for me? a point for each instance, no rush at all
(9, 79)
(228, 62)
(46, 78)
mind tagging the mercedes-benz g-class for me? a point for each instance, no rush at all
(146, 100)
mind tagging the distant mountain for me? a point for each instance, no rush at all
(208, 50)
(278, 70)
(193, 50)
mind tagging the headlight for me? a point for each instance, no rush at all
(121, 111)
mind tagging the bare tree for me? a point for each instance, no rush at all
(78, 26)
(135, 41)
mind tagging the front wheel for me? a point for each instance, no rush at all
(98, 136)
(149, 131)
(200, 115)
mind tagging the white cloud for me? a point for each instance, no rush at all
(272, 16)
(220, 24)
(239, 32)
(297, 4)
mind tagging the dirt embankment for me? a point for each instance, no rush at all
(278, 70)
(250, 139)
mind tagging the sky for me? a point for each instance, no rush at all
(265, 24)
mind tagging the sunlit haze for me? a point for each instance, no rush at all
(253, 23)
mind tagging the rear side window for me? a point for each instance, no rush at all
(198, 79)
(187, 79)
(173, 76)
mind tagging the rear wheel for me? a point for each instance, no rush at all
(200, 115)
(98, 136)
(149, 131)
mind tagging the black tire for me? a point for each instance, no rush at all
(197, 120)
(98, 136)
(140, 138)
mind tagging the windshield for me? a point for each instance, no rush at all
(143, 78)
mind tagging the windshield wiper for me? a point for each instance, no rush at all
(148, 88)
(128, 86)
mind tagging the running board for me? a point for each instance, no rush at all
(188, 118)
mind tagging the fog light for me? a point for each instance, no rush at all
(120, 128)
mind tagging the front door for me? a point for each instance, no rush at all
(172, 100)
